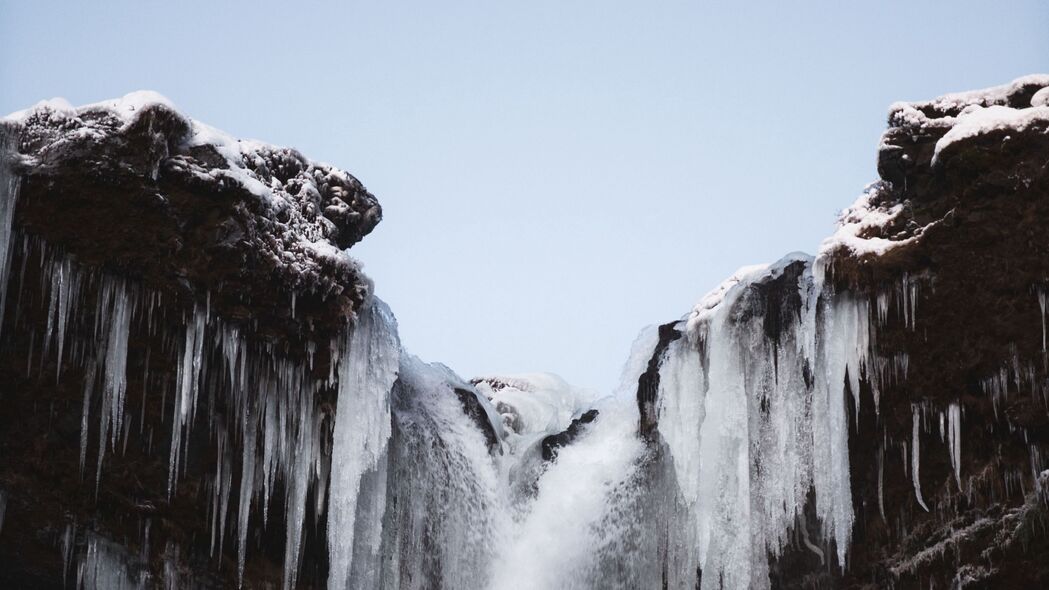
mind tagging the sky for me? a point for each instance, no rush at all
(554, 175)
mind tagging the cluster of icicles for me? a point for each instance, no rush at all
(755, 424)
(261, 406)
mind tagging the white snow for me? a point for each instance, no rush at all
(238, 153)
(535, 402)
(1041, 98)
(234, 151)
(987, 96)
(977, 120)
(860, 218)
(710, 304)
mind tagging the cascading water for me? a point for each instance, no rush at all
(447, 510)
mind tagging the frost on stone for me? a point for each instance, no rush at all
(313, 200)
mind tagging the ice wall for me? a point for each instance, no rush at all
(367, 372)
(753, 413)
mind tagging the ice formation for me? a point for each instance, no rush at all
(108, 566)
(753, 422)
(366, 375)
(916, 456)
(954, 440)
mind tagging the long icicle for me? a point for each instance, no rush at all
(915, 456)
(367, 371)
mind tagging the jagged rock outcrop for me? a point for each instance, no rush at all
(136, 187)
(552, 443)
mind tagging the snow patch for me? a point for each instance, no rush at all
(975, 121)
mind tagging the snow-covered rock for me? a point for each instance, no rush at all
(135, 185)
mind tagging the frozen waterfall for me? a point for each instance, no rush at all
(726, 441)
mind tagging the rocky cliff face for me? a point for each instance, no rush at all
(200, 391)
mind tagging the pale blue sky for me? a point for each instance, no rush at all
(554, 175)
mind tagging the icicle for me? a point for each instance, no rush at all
(367, 371)
(113, 321)
(247, 480)
(68, 542)
(145, 539)
(909, 300)
(85, 417)
(188, 384)
(915, 457)
(1042, 304)
(954, 440)
(108, 566)
(115, 384)
(301, 462)
(220, 495)
(883, 307)
(68, 284)
(881, 480)
(9, 184)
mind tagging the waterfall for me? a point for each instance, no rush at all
(447, 501)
